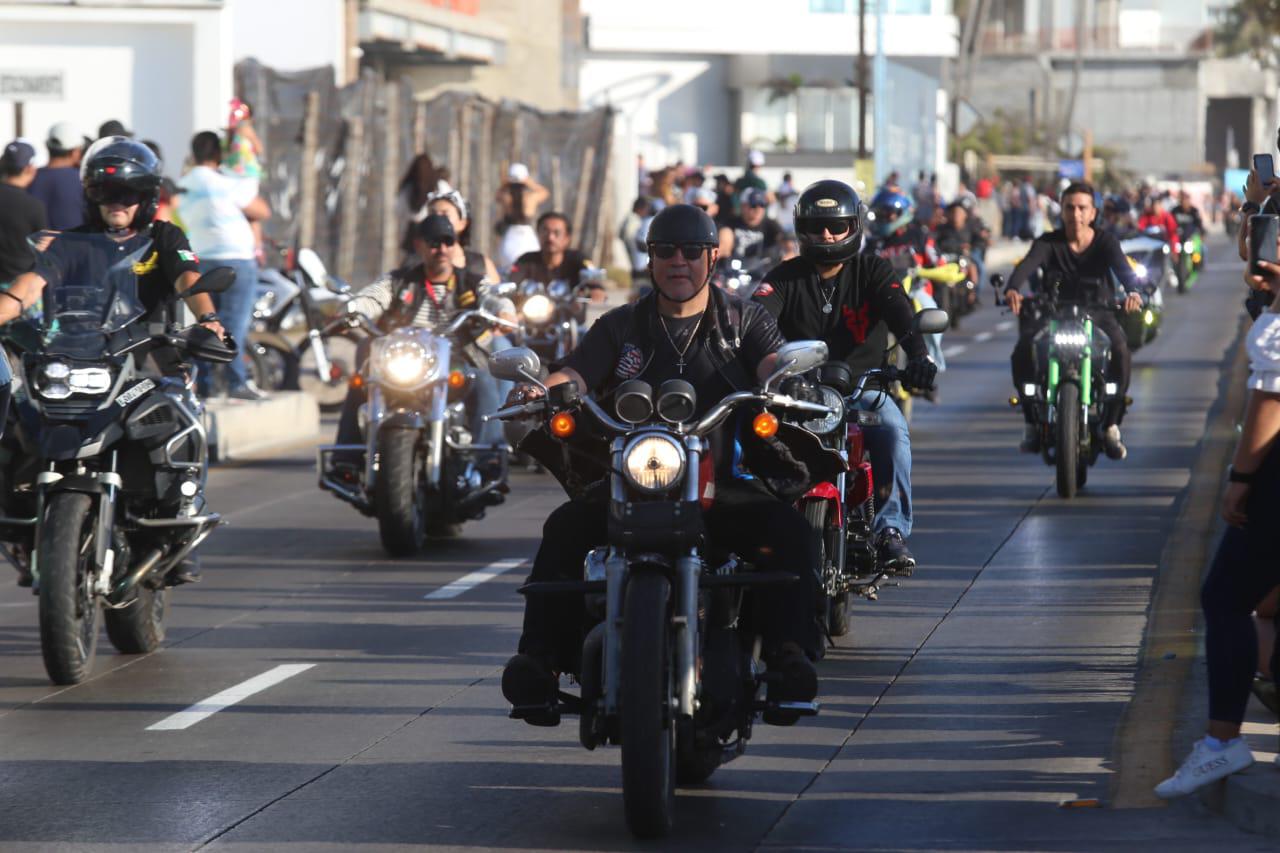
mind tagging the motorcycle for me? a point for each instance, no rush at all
(742, 277)
(1189, 250)
(842, 512)
(1065, 402)
(420, 472)
(550, 318)
(953, 287)
(672, 671)
(1149, 257)
(287, 344)
(111, 494)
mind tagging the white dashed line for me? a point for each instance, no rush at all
(953, 351)
(220, 701)
(982, 337)
(1004, 325)
(466, 582)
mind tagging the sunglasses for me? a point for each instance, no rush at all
(113, 195)
(836, 227)
(443, 241)
(667, 251)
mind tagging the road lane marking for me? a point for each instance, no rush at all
(982, 337)
(479, 576)
(221, 701)
(1004, 325)
(953, 351)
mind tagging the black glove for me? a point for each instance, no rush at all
(919, 373)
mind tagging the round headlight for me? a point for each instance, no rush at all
(57, 371)
(832, 400)
(653, 463)
(407, 363)
(559, 288)
(538, 308)
(1139, 270)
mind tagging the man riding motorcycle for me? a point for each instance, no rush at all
(424, 294)
(1187, 215)
(1077, 251)
(852, 301)
(555, 260)
(687, 330)
(121, 180)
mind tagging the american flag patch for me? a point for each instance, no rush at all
(630, 362)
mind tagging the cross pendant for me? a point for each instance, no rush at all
(680, 366)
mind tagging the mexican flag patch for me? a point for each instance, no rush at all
(189, 256)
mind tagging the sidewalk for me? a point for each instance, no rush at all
(238, 428)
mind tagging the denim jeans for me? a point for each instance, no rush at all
(487, 396)
(235, 308)
(889, 444)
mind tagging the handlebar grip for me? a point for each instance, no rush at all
(533, 407)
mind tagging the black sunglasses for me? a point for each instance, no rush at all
(113, 195)
(443, 241)
(667, 251)
(817, 226)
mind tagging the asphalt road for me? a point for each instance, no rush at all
(967, 705)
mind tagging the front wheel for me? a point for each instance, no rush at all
(648, 722)
(1068, 449)
(68, 607)
(397, 495)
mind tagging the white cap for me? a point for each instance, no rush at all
(755, 158)
(65, 136)
(518, 172)
(704, 195)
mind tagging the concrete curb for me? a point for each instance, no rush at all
(238, 429)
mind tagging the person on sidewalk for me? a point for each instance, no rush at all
(57, 184)
(216, 209)
(1245, 568)
(20, 214)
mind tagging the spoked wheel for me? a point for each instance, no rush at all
(648, 723)
(1068, 447)
(330, 391)
(68, 607)
(397, 494)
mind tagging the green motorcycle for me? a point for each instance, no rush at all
(1189, 250)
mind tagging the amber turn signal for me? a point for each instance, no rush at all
(563, 425)
(765, 425)
(357, 381)
(457, 379)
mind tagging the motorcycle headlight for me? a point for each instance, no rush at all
(832, 400)
(408, 364)
(1140, 271)
(559, 289)
(653, 463)
(538, 308)
(57, 380)
(1070, 340)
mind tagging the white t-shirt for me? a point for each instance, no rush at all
(211, 206)
(1263, 344)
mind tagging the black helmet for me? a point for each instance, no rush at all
(835, 205)
(117, 163)
(683, 225)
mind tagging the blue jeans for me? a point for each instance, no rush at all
(488, 396)
(235, 309)
(889, 444)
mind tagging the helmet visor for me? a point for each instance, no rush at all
(113, 194)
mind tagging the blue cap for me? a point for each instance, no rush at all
(755, 197)
(18, 155)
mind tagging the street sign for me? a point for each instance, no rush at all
(31, 85)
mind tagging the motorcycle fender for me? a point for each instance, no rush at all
(64, 442)
(82, 483)
(827, 492)
(404, 419)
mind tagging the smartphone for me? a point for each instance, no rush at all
(1264, 230)
(1265, 166)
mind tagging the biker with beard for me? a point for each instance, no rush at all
(1078, 251)
(683, 329)
(852, 300)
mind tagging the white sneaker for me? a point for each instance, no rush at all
(1205, 765)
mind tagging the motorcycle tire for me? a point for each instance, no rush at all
(1068, 448)
(68, 607)
(341, 351)
(648, 726)
(1182, 276)
(397, 495)
(138, 628)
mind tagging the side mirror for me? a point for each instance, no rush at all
(517, 364)
(997, 281)
(503, 288)
(798, 357)
(217, 280)
(931, 321)
(311, 264)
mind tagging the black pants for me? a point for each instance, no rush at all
(1025, 368)
(773, 535)
(1245, 568)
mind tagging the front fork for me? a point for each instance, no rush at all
(324, 369)
(103, 554)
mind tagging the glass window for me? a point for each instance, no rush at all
(828, 7)
(765, 122)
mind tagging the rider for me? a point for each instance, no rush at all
(1155, 216)
(1077, 251)
(424, 294)
(851, 301)
(719, 344)
(1187, 216)
(755, 235)
(121, 180)
(895, 233)
(554, 259)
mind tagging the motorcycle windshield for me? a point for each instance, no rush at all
(91, 291)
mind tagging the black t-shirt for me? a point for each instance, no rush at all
(1052, 253)
(170, 257)
(752, 241)
(62, 195)
(20, 216)
(530, 265)
(954, 241)
(1188, 219)
(867, 302)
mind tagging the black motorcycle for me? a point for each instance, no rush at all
(107, 495)
(672, 673)
(420, 472)
(551, 316)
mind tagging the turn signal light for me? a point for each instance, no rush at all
(457, 379)
(357, 381)
(563, 425)
(765, 425)
(1013, 401)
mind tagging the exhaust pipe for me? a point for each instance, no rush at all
(144, 567)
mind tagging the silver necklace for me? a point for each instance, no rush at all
(680, 352)
(826, 309)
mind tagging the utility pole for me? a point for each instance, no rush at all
(863, 74)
